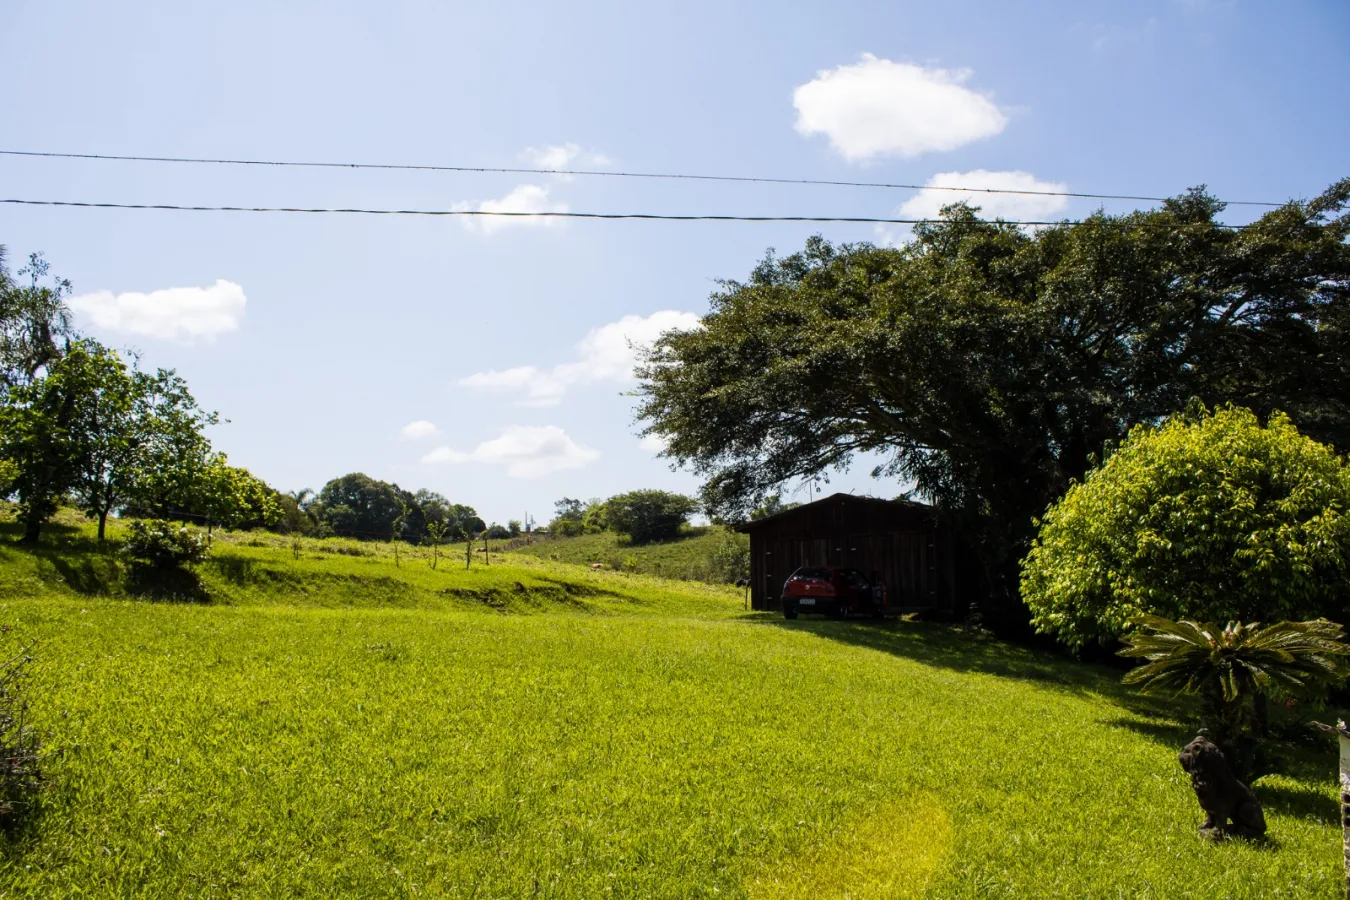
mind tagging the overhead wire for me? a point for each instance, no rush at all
(663, 217)
(751, 179)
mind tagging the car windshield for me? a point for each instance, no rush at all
(811, 575)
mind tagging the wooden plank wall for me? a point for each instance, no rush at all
(899, 542)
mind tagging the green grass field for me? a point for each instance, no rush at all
(336, 725)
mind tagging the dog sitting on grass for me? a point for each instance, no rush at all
(1223, 798)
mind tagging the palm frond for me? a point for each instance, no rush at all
(1187, 656)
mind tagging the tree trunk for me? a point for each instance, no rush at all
(102, 524)
(32, 528)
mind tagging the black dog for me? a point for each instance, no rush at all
(1220, 794)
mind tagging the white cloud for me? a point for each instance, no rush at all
(419, 429)
(525, 198)
(877, 107)
(607, 353)
(174, 314)
(527, 451)
(654, 443)
(563, 156)
(929, 202)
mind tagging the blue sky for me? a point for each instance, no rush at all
(324, 338)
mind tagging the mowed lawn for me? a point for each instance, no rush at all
(337, 725)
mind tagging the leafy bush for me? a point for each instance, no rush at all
(20, 748)
(646, 516)
(1210, 517)
(1234, 669)
(729, 558)
(565, 528)
(164, 546)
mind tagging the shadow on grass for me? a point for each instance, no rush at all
(1299, 802)
(55, 536)
(578, 589)
(94, 576)
(963, 650)
(166, 586)
(237, 570)
(951, 647)
(1168, 721)
(1164, 731)
(21, 833)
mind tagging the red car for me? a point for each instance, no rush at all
(834, 592)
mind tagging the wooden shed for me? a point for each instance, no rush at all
(899, 541)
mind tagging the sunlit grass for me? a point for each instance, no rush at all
(336, 725)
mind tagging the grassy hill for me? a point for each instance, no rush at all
(339, 725)
(694, 556)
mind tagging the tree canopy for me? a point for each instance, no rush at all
(989, 365)
(357, 505)
(35, 323)
(1209, 517)
(648, 515)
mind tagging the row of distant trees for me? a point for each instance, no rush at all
(82, 422)
(643, 516)
(363, 507)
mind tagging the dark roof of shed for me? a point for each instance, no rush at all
(747, 527)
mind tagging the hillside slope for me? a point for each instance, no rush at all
(704, 553)
(338, 725)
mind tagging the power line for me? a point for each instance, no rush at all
(663, 217)
(602, 174)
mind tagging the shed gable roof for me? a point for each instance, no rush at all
(810, 509)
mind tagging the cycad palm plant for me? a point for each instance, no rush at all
(1234, 668)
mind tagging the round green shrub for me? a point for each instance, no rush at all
(165, 546)
(1209, 516)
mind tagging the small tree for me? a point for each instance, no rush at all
(396, 528)
(646, 516)
(1210, 517)
(233, 497)
(50, 427)
(1235, 668)
(435, 536)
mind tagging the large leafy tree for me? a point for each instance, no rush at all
(89, 426)
(455, 520)
(173, 452)
(1208, 517)
(648, 515)
(107, 471)
(50, 428)
(360, 506)
(990, 365)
